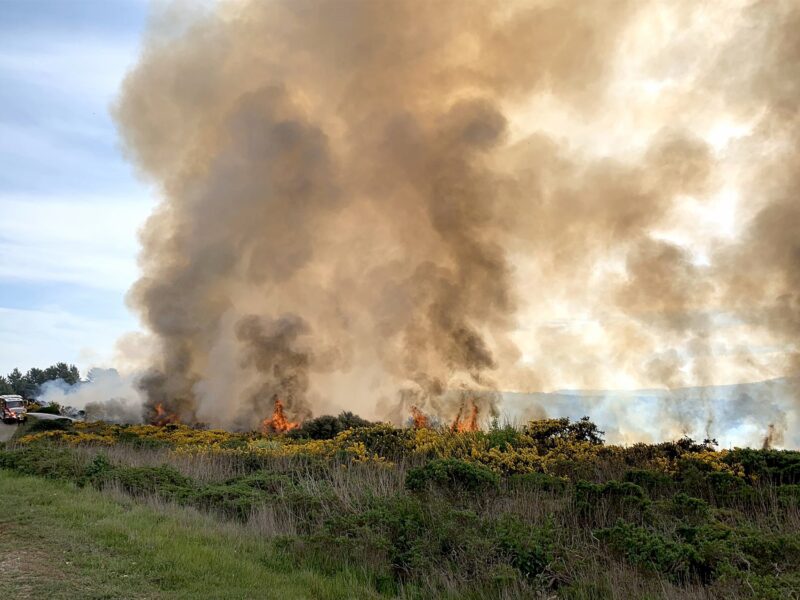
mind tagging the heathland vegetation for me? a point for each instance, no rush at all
(544, 510)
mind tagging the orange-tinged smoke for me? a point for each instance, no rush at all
(470, 423)
(278, 423)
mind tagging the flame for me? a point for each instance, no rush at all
(278, 423)
(420, 418)
(162, 417)
(468, 424)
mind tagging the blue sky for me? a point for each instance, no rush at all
(70, 204)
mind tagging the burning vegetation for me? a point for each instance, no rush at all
(419, 419)
(162, 417)
(278, 423)
(469, 422)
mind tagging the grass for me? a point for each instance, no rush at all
(60, 541)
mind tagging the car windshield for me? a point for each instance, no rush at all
(14, 403)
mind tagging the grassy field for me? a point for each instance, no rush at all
(60, 541)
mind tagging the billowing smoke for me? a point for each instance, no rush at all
(105, 395)
(372, 205)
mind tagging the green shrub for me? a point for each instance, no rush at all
(777, 466)
(547, 433)
(327, 427)
(696, 510)
(35, 425)
(655, 483)
(233, 500)
(383, 440)
(452, 476)
(789, 495)
(644, 548)
(43, 460)
(604, 502)
(422, 540)
(98, 471)
(504, 437)
(529, 549)
(163, 481)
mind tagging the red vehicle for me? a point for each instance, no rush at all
(13, 409)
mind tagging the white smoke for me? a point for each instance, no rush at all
(105, 395)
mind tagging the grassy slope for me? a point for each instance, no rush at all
(59, 541)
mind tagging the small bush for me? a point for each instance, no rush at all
(601, 502)
(44, 461)
(328, 427)
(529, 550)
(452, 476)
(655, 483)
(164, 481)
(644, 548)
(36, 425)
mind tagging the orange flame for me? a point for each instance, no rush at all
(420, 418)
(278, 423)
(162, 417)
(468, 424)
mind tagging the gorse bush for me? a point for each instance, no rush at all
(453, 477)
(328, 427)
(643, 547)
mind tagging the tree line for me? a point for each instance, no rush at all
(28, 385)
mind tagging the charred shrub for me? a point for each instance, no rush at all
(452, 476)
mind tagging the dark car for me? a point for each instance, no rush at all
(13, 409)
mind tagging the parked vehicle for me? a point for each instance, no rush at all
(13, 409)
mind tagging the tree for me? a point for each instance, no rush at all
(29, 385)
(16, 379)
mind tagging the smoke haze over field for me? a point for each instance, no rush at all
(371, 205)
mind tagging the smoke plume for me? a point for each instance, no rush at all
(374, 205)
(105, 395)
